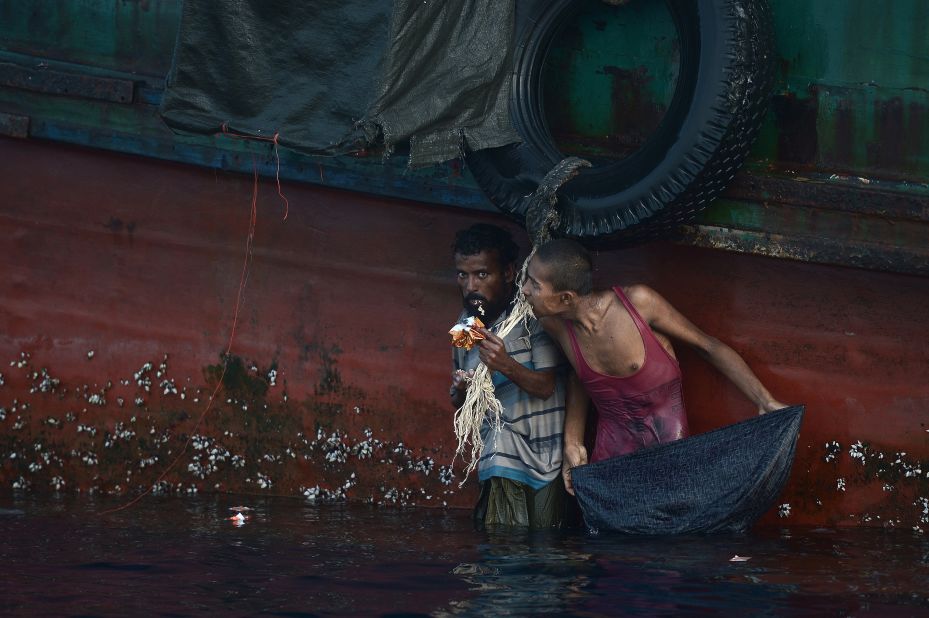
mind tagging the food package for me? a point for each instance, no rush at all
(464, 334)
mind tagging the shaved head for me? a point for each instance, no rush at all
(568, 266)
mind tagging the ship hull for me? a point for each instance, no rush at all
(113, 262)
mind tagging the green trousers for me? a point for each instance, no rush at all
(504, 502)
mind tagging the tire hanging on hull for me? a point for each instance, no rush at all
(725, 79)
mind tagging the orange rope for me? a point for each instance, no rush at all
(224, 130)
(278, 177)
(243, 279)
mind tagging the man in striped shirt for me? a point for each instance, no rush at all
(521, 462)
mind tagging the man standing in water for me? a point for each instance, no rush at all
(617, 342)
(519, 466)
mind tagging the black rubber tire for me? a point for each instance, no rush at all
(724, 84)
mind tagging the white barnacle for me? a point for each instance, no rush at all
(858, 451)
(168, 387)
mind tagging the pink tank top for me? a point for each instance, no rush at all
(639, 410)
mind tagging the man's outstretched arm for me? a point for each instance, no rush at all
(663, 317)
(737, 370)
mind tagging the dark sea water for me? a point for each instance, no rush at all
(182, 557)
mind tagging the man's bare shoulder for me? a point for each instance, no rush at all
(641, 296)
(639, 291)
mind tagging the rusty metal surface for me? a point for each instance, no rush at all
(116, 303)
(848, 194)
(850, 103)
(822, 250)
(846, 220)
(135, 36)
(852, 97)
(14, 125)
(609, 79)
(50, 81)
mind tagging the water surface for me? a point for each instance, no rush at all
(181, 557)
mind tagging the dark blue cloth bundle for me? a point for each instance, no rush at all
(719, 481)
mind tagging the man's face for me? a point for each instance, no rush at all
(486, 286)
(540, 295)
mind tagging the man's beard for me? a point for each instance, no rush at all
(485, 310)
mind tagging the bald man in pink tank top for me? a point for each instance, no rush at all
(617, 341)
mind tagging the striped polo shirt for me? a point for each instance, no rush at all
(528, 446)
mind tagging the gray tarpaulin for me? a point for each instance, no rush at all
(719, 481)
(316, 73)
(446, 78)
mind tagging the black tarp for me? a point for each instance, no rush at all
(327, 76)
(719, 481)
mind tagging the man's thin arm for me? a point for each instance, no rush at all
(734, 367)
(575, 453)
(576, 405)
(666, 319)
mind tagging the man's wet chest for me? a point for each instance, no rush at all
(616, 348)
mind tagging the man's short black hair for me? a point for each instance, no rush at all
(486, 237)
(570, 268)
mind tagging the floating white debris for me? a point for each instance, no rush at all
(738, 558)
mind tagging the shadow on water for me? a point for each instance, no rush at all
(182, 557)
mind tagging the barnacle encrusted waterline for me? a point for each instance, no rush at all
(480, 400)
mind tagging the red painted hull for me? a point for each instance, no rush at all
(349, 300)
